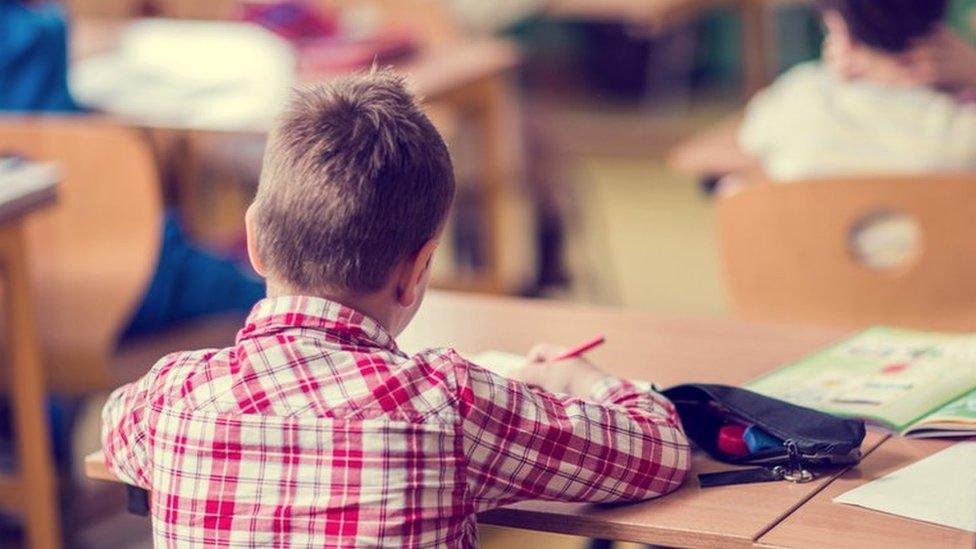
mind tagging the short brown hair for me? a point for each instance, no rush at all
(355, 179)
(888, 25)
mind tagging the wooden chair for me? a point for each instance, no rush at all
(788, 257)
(91, 257)
(93, 254)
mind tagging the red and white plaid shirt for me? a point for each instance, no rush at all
(315, 430)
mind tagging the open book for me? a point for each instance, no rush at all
(918, 384)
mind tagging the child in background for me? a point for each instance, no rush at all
(866, 109)
(34, 58)
(188, 282)
(315, 429)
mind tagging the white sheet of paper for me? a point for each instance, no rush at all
(940, 489)
(500, 362)
(19, 178)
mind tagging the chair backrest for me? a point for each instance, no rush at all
(93, 253)
(788, 252)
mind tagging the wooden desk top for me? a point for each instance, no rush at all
(642, 346)
(730, 516)
(820, 519)
(95, 467)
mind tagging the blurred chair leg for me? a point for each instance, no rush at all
(75, 507)
(757, 63)
(35, 469)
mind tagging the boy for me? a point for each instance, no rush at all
(314, 429)
(863, 111)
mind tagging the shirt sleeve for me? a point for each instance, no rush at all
(125, 429)
(623, 443)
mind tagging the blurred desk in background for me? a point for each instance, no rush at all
(32, 489)
(470, 78)
(758, 31)
(435, 73)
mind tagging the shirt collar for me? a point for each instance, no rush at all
(275, 314)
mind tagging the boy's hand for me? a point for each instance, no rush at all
(943, 59)
(572, 376)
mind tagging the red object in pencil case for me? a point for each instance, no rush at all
(731, 441)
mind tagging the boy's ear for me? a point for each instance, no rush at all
(252, 242)
(413, 276)
(838, 33)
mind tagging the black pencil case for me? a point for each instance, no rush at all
(808, 437)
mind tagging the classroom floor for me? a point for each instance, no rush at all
(641, 236)
(647, 239)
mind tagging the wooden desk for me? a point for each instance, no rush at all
(821, 522)
(434, 73)
(32, 489)
(639, 346)
(96, 469)
(690, 517)
(757, 35)
(733, 516)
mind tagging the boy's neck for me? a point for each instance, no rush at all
(881, 68)
(376, 305)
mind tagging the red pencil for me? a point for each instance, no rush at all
(577, 351)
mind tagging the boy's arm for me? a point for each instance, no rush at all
(622, 443)
(124, 428)
(714, 152)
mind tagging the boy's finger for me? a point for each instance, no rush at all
(544, 352)
(538, 353)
